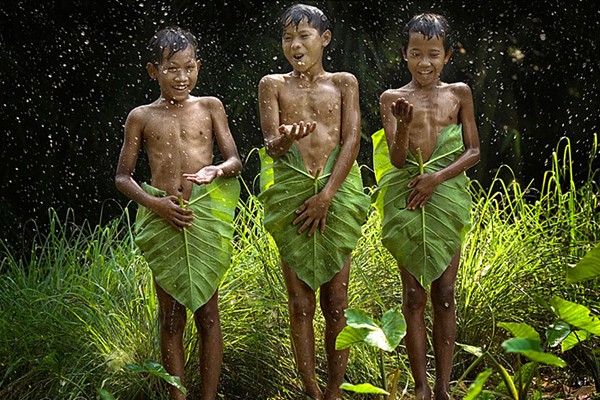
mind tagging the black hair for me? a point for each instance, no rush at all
(172, 38)
(429, 25)
(314, 17)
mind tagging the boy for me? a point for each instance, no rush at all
(425, 200)
(313, 194)
(175, 220)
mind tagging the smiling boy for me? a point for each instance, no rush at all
(176, 223)
(314, 203)
(431, 137)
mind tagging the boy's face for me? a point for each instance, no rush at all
(177, 75)
(425, 58)
(303, 46)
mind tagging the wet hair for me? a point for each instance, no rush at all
(429, 25)
(314, 17)
(172, 38)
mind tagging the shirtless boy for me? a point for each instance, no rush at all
(421, 117)
(309, 115)
(178, 131)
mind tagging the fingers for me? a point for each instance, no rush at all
(297, 130)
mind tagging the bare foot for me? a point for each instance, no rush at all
(423, 393)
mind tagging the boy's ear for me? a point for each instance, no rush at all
(198, 65)
(326, 37)
(404, 55)
(448, 54)
(152, 70)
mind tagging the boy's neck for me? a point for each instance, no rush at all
(433, 85)
(309, 76)
(172, 103)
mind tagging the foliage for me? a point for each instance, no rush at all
(386, 336)
(81, 305)
(527, 342)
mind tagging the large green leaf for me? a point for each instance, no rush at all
(361, 328)
(520, 330)
(587, 268)
(476, 388)
(532, 349)
(153, 368)
(574, 339)
(576, 315)
(366, 388)
(557, 332)
(285, 186)
(189, 265)
(423, 240)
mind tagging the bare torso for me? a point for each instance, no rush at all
(434, 109)
(318, 101)
(178, 139)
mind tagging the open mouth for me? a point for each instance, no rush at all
(298, 57)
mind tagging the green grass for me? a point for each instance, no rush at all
(84, 306)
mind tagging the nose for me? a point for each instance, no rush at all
(295, 43)
(181, 75)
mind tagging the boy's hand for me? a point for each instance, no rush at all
(423, 187)
(297, 131)
(168, 209)
(205, 175)
(314, 213)
(403, 111)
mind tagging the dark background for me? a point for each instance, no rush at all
(70, 71)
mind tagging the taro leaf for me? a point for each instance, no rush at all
(520, 330)
(285, 186)
(576, 315)
(189, 265)
(532, 349)
(362, 388)
(587, 268)
(574, 339)
(156, 369)
(557, 332)
(474, 350)
(363, 329)
(423, 240)
(476, 387)
(394, 327)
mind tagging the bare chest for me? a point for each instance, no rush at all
(175, 128)
(321, 104)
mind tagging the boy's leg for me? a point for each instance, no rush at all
(334, 300)
(444, 327)
(172, 317)
(414, 299)
(208, 325)
(301, 304)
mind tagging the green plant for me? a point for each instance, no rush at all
(526, 342)
(573, 315)
(385, 336)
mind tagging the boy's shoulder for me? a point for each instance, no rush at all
(394, 93)
(344, 78)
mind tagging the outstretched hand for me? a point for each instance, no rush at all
(423, 187)
(297, 131)
(403, 111)
(168, 208)
(314, 214)
(205, 175)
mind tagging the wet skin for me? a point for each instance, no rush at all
(317, 111)
(177, 131)
(413, 117)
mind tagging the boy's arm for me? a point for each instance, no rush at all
(166, 207)
(396, 116)
(277, 138)
(231, 165)
(424, 185)
(314, 210)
